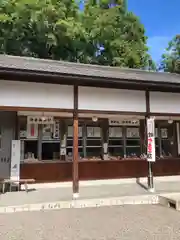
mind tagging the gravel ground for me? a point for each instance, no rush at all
(138, 222)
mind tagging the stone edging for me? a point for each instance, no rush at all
(84, 203)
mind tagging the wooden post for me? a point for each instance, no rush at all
(75, 146)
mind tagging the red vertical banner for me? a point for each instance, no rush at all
(32, 130)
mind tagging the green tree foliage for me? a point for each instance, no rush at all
(41, 28)
(119, 32)
(104, 33)
(171, 59)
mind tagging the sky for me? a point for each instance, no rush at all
(161, 19)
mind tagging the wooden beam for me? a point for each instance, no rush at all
(75, 145)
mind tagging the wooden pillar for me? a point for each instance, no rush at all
(75, 146)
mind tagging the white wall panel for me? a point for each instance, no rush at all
(111, 99)
(164, 102)
(24, 94)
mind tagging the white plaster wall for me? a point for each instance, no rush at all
(91, 98)
(25, 94)
(164, 102)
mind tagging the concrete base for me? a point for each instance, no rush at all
(151, 190)
(170, 200)
(75, 196)
(104, 182)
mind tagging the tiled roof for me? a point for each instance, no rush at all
(61, 67)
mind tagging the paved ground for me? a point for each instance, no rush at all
(65, 194)
(162, 187)
(140, 222)
(88, 192)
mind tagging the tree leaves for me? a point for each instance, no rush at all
(171, 59)
(104, 33)
(120, 34)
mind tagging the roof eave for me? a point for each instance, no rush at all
(61, 78)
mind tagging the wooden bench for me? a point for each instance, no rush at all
(19, 182)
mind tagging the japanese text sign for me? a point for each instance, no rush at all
(151, 155)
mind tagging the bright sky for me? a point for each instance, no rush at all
(161, 19)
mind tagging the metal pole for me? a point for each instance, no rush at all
(151, 154)
(150, 177)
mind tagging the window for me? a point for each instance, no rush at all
(132, 142)
(124, 141)
(93, 141)
(28, 134)
(165, 142)
(50, 140)
(164, 139)
(39, 141)
(89, 140)
(43, 141)
(116, 141)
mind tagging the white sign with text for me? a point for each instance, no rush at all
(151, 154)
(15, 160)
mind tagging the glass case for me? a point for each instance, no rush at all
(28, 134)
(50, 141)
(116, 141)
(93, 141)
(164, 139)
(165, 142)
(39, 141)
(42, 141)
(132, 142)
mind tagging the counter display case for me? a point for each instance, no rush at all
(165, 139)
(50, 140)
(116, 142)
(39, 141)
(132, 142)
(124, 139)
(93, 141)
(123, 144)
(28, 134)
